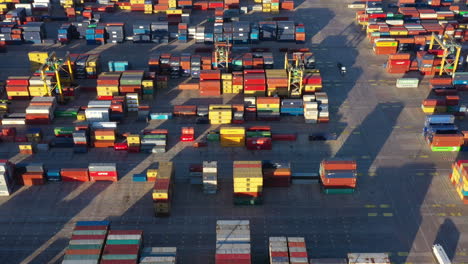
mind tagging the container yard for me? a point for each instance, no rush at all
(227, 131)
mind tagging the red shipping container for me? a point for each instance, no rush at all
(284, 137)
(339, 165)
(210, 75)
(120, 146)
(125, 232)
(118, 261)
(103, 173)
(69, 175)
(86, 237)
(121, 249)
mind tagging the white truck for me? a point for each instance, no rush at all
(440, 255)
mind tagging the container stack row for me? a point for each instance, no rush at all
(232, 136)
(338, 176)
(220, 114)
(41, 110)
(158, 255)
(154, 141)
(259, 138)
(6, 178)
(248, 182)
(122, 246)
(441, 133)
(162, 191)
(459, 179)
(87, 242)
(103, 172)
(210, 177)
(233, 242)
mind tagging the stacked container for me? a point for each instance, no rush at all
(278, 250)
(154, 141)
(188, 134)
(103, 138)
(122, 246)
(40, 87)
(6, 178)
(132, 102)
(220, 114)
(268, 108)
(293, 107)
(232, 136)
(210, 177)
(233, 242)
(162, 191)
(34, 32)
(148, 89)
(37, 59)
(286, 31)
(98, 111)
(108, 85)
(27, 148)
(459, 179)
(442, 134)
(130, 81)
(277, 82)
(311, 109)
(248, 182)
(254, 82)
(259, 138)
(41, 110)
(338, 176)
(152, 173)
(227, 83)
(74, 175)
(210, 82)
(399, 63)
(196, 174)
(158, 255)
(250, 106)
(297, 250)
(115, 32)
(80, 141)
(133, 143)
(103, 172)
(277, 174)
(87, 242)
(312, 81)
(31, 174)
(17, 87)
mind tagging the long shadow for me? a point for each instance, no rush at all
(32, 217)
(448, 237)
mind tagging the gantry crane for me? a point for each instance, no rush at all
(61, 69)
(294, 65)
(451, 55)
(222, 54)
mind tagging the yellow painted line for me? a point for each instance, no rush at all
(372, 214)
(456, 214)
(407, 127)
(373, 84)
(441, 214)
(359, 174)
(370, 206)
(372, 174)
(403, 254)
(450, 205)
(434, 174)
(388, 214)
(356, 133)
(372, 80)
(384, 206)
(345, 133)
(396, 126)
(345, 106)
(424, 156)
(436, 205)
(407, 262)
(461, 254)
(420, 173)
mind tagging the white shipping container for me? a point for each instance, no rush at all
(407, 83)
(87, 242)
(367, 258)
(98, 125)
(99, 104)
(14, 121)
(37, 109)
(124, 237)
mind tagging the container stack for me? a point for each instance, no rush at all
(103, 172)
(385, 47)
(220, 114)
(459, 179)
(297, 250)
(268, 108)
(133, 143)
(132, 102)
(286, 31)
(196, 174)
(17, 87)
(87, 242)
(148, 89)
(6, 178)
(227, 83)
(399, 63)
(31, 174)
(292, 107)
(210, 177)
(188, 134)
(278, 250)
(39, 87)
(118, 66)
(95, 35)
(322, 100)
(154, 141)
(158, 255)
(254, 83)
(160, 31)
(103, 138)
(250, 106)
(311, 109)
(233, 242)
(232, 136)
(312, 81)
(34, 32)
(108, 85)
(277, 174)
(210, 83)
(41, 110)
(34, 135)
(338, 176)
(115, 32)
(98, 111)
(122, 246)
(130, 81)
(162, 191)
(141, 32)
(277, 82)
(27, 148)
(80, 141)
(93, 66)
(237, 82)
(259, 138)
(442, 134)
(248, 182)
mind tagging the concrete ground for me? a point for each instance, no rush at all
(404, 201)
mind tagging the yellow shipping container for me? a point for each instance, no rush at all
(81, 116)
(218, 106)
(158, 194)
(10, 93)
(133, 139)
(226, 76)
(247, 184)
(232, 130)
(258, 189)
(25, 147)
(174, 11)
(38, 56)
(147, 84)
(107, 137)
(386, 43)
(152, 173)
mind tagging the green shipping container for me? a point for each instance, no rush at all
(338, 191)
(119, 257)
(450, 149)
(258, 134)
(122, 241)
(247, 201)
(155, 136)
(64, 130)
(148, 91)
(213, 137)
(60, 113)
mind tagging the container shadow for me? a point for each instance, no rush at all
(448, 237)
